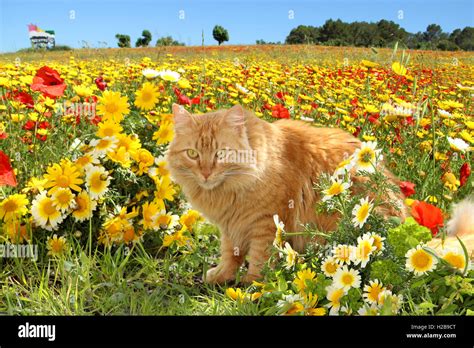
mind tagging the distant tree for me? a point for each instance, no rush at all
(144, 40)
(465, 39)
(123, 40)
(168, 41)
(446, 45)
(433, 33)
(390, 32)
(220, 34)
(363, 34)
(336, 31)
(303, 34)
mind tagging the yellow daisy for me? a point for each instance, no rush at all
(13, 207)
(302, 277)
(63, 175)
(56, 246)
(164, 134)
(147, 96)
(372, 291)
(112, 106)
(63, 199)
(84, 207)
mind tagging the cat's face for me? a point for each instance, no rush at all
(211, 149)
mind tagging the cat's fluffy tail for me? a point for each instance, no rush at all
(462, 219)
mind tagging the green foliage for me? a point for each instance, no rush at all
(303, 34)
(220, 34)
(383, 33)
(387, 271)
(168, 41)
(144, 40)
(123, 40)
(407, 236)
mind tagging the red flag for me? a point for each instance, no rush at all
(7, 176)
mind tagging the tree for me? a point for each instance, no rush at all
(390, 32)
(465, 39)
(220, 34)
(123, 40)
(335, 31)
(144, 40)
(168, 41)
(303, 34)
(433, 33)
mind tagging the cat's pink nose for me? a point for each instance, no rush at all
(206, 174)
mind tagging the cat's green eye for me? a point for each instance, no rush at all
(192, 153)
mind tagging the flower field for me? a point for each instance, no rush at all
(84, 183)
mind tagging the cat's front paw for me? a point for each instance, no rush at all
(218, 275)
(249, 278)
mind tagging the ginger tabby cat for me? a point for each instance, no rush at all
(283, 161)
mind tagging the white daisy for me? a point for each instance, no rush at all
(101, 147)
(367, 157)
(458, 144)
(361, 212)
(329, 266)
(419, 261)
(44, 213)
(338, 187)
(334, 295)
(346, 278)
(364, 249)
(97, 181)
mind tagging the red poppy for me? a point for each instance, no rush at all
(48, 82)
(464, 173)
(185, 100)
(100, 83)
(427, 215)
(23, 98)
(408, 188)
(279, 111)
(7, 176)
(29, 125)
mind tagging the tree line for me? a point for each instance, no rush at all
(380, 34)
(219, 33)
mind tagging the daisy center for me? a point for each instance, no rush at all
(62, 181)
(363, 212)
(366, 155)
(335, 189)
(49, 208)
(10, 206)
(421, 260)
(347, 279)
(111, 108)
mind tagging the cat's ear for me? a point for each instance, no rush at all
(181, 117)
(235, 118)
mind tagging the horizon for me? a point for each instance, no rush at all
(78, 22)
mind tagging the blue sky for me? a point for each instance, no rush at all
(246, 20)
